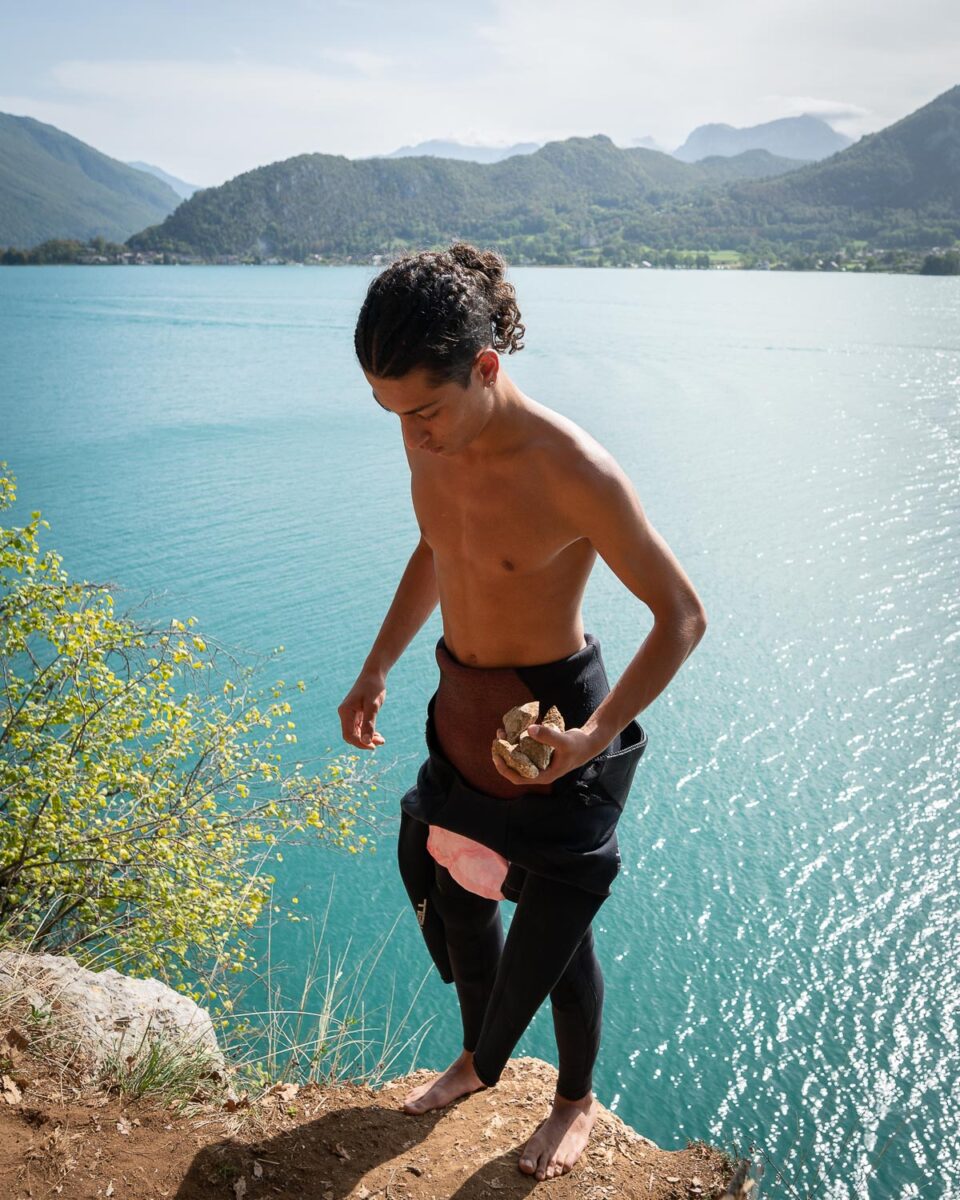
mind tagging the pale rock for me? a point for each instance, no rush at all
(517, 719)
(538, 752)
(514, 759)
(554, 717)
(105, 1013)
(518, 750)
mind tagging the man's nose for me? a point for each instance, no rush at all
(414, 438)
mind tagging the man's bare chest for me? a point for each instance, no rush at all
(492, 522)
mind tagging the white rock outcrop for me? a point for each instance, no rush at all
(104, 1012)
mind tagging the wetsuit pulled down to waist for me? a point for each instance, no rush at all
(564, 831)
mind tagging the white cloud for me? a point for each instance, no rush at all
(207, 121)
(796, 106)
(507, 71)
(365, 62)
(617, 66)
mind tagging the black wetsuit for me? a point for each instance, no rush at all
(559, 840)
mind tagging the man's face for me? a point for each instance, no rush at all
(437, 419)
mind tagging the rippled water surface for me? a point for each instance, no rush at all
(781, 949)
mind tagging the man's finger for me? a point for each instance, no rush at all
(368, 743)
(350, 727)
(546, 734)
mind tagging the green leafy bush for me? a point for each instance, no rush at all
(142, 794)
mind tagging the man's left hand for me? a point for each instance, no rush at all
(572, 748)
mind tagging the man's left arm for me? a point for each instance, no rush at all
(610, 514)
(614, 521)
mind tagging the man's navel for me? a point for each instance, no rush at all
(507, 564)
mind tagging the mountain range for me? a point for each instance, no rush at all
(53, 185)
(587, 199)
(582, 199)
(805, 138)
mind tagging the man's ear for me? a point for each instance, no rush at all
(487, 363)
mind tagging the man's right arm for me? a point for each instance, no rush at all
(416, 597)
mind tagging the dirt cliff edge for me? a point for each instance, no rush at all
(331, 1142)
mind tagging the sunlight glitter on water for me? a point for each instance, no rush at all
(781, 952)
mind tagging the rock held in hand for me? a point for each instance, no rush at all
(513, 757)
(517, 719)
(538, 752)
(553, 717)
(518, 750)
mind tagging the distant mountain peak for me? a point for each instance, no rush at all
(647, 143)
(438, 148)
(807, 138)
(180, 186)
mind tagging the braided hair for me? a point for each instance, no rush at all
(436, 310)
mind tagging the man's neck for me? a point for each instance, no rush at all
(505, 427)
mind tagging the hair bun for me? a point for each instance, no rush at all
(507, 329)
(485, 262)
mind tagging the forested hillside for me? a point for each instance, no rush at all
(54, 186)
(901, 185)
(566, 195)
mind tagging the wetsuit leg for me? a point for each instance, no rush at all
(474, 936)
(548, 929)
(418, 872)
(577, 1003)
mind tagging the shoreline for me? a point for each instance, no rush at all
(771, 269)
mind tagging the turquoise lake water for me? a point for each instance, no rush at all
(781, 947)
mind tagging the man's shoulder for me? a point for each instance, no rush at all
(570, 449)
(588, 487)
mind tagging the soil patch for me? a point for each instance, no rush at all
(331, 1143)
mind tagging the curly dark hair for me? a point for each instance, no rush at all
(436, 310)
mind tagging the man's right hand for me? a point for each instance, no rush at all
(358, 711)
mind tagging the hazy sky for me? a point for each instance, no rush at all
(208, 89)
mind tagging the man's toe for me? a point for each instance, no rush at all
(529, 1159)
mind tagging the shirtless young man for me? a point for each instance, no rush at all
(514, 503)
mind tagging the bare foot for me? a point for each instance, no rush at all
(459, 1079)
(561, 1139)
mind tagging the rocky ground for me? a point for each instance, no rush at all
(70, 1127)
(316, 1143)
